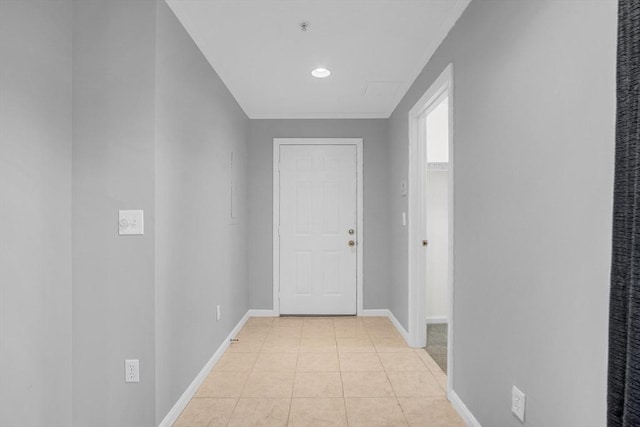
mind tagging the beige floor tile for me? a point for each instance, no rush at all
(357, 330)
(428, 360)
(324, 344)
(317, 412)
(206, 412)
(245, 345)
(409, 361)
(391, 345)
(317, 384)
(260, 412)
(269, 384)
(374, 412)
(318, 322)
(355, 345)
(259, 322)
(236, 362)
(276, 362)
(430, 412)
(360, 362)
(383, 330)
(376, 321)
(335, 356)
(366, 384)
(286, 331)
(254, 331)
(288, 321)
(441, 377)
(415, 384)
(318, 362)
(281, 345)
(313, 333)
(223, 384)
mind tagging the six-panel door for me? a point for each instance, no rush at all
(318, 235)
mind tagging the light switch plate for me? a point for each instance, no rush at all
(131, 222)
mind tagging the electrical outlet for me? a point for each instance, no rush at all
(132, 371)
(218, 314)
(518, 400)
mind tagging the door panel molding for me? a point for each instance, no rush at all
(358, 143)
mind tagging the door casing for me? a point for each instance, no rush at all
(277, 143)
(417, 332)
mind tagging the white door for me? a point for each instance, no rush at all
(318, 235)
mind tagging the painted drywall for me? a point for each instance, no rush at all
(35, 219)
(534, 99)
(113, 168)
(437, 201)
(376, 197)
(201, 252)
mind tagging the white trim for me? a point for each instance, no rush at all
(462, 410)
(277, 142)
(399, 326)
(417, 217)
(301, 116)
(261, 313)
(374, 312)
(183, 401)
(431, 320)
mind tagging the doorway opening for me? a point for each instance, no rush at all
(431, 222)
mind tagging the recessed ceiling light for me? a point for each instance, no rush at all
(321, 73)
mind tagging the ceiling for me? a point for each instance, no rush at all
(374, 49)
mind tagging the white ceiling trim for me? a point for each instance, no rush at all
(294, 116)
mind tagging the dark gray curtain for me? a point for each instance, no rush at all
(624, 317)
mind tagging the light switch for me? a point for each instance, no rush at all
(404, 219)
(131, 222)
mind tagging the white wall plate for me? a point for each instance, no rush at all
(131, 222)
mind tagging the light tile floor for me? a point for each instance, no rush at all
(321, 371)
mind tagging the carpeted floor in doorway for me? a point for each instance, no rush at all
(437, 344)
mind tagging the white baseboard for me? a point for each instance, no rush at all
(462, 410)
(261, 313)
(375, 312)
(399, 327)
(437, 319)
(183, 401)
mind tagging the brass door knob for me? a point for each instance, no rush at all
(352, 243)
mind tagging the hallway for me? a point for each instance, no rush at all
(321, 371)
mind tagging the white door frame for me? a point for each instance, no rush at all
(277, 143)
(418, 215)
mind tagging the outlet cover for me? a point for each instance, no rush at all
(130, 222)
(132, 371)
(518, 400)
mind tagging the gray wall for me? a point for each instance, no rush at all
(534, 146)
(113, 168)
(200, 254)
(35, 214)
(376, 196)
